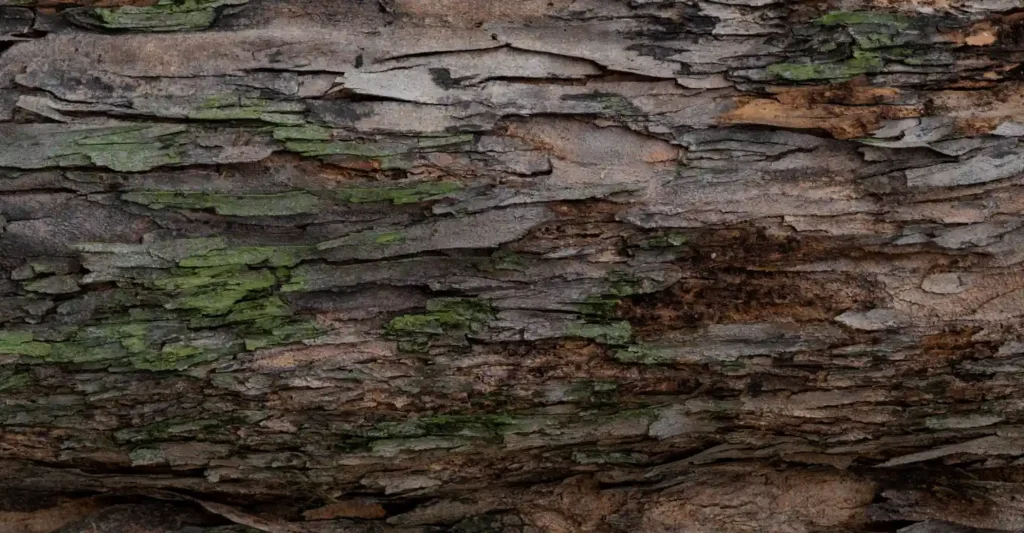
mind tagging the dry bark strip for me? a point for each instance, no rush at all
(570, 265)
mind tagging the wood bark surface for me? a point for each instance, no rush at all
(528, 266)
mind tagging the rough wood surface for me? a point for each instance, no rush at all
(416, 266)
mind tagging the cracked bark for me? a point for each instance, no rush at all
(568, 265)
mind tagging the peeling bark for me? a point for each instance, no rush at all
(572, 265)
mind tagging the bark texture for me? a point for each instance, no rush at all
(524, 266)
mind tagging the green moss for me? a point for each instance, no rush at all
(164, 16)
(14, 381)
(228, 275)
(916, 56)
(81, 352)
(508, 260)
(146, 456)
(214, 290)
(8, 340)
(180, 355)
(210, 302)
(219, 100)
(861, 63)
(624, 284)
(600, 306)
(451, 317)
(391, 237)
(22, 343)
(484, 425)
(296, 281)
(480, 425)
(178, 249)
(114, 341)
(613, 333)
(282, 204)
(643, 355)
(136, 159)
(123, 148)
(251, 255)
(430, 324)
(240, 108)
(639, 354)
(272, 333)
(237, 300)
(258, 309)
(288, 256)
(420, 192)
(872, 29)
(849, 18)
(869, 40)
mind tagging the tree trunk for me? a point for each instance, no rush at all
(511, 266)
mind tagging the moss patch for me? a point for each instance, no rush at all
(643, 355)
(214, 290)
(852, 18)
(861, 63)
(450, 317)
(391, 237)
(228, 108)
(164, 16)
(126, 148)
(13, 381)
(22, 343)
(251, 255)
(602, 307)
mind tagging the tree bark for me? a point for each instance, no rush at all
(518, 266)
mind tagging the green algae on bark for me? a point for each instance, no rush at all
(164, 16)
(236, 108)
(861, 63)
(451, 318)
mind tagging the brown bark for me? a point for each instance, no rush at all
(572, 265)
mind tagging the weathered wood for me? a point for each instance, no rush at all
(568, 265)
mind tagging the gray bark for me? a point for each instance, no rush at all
(571, 265)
